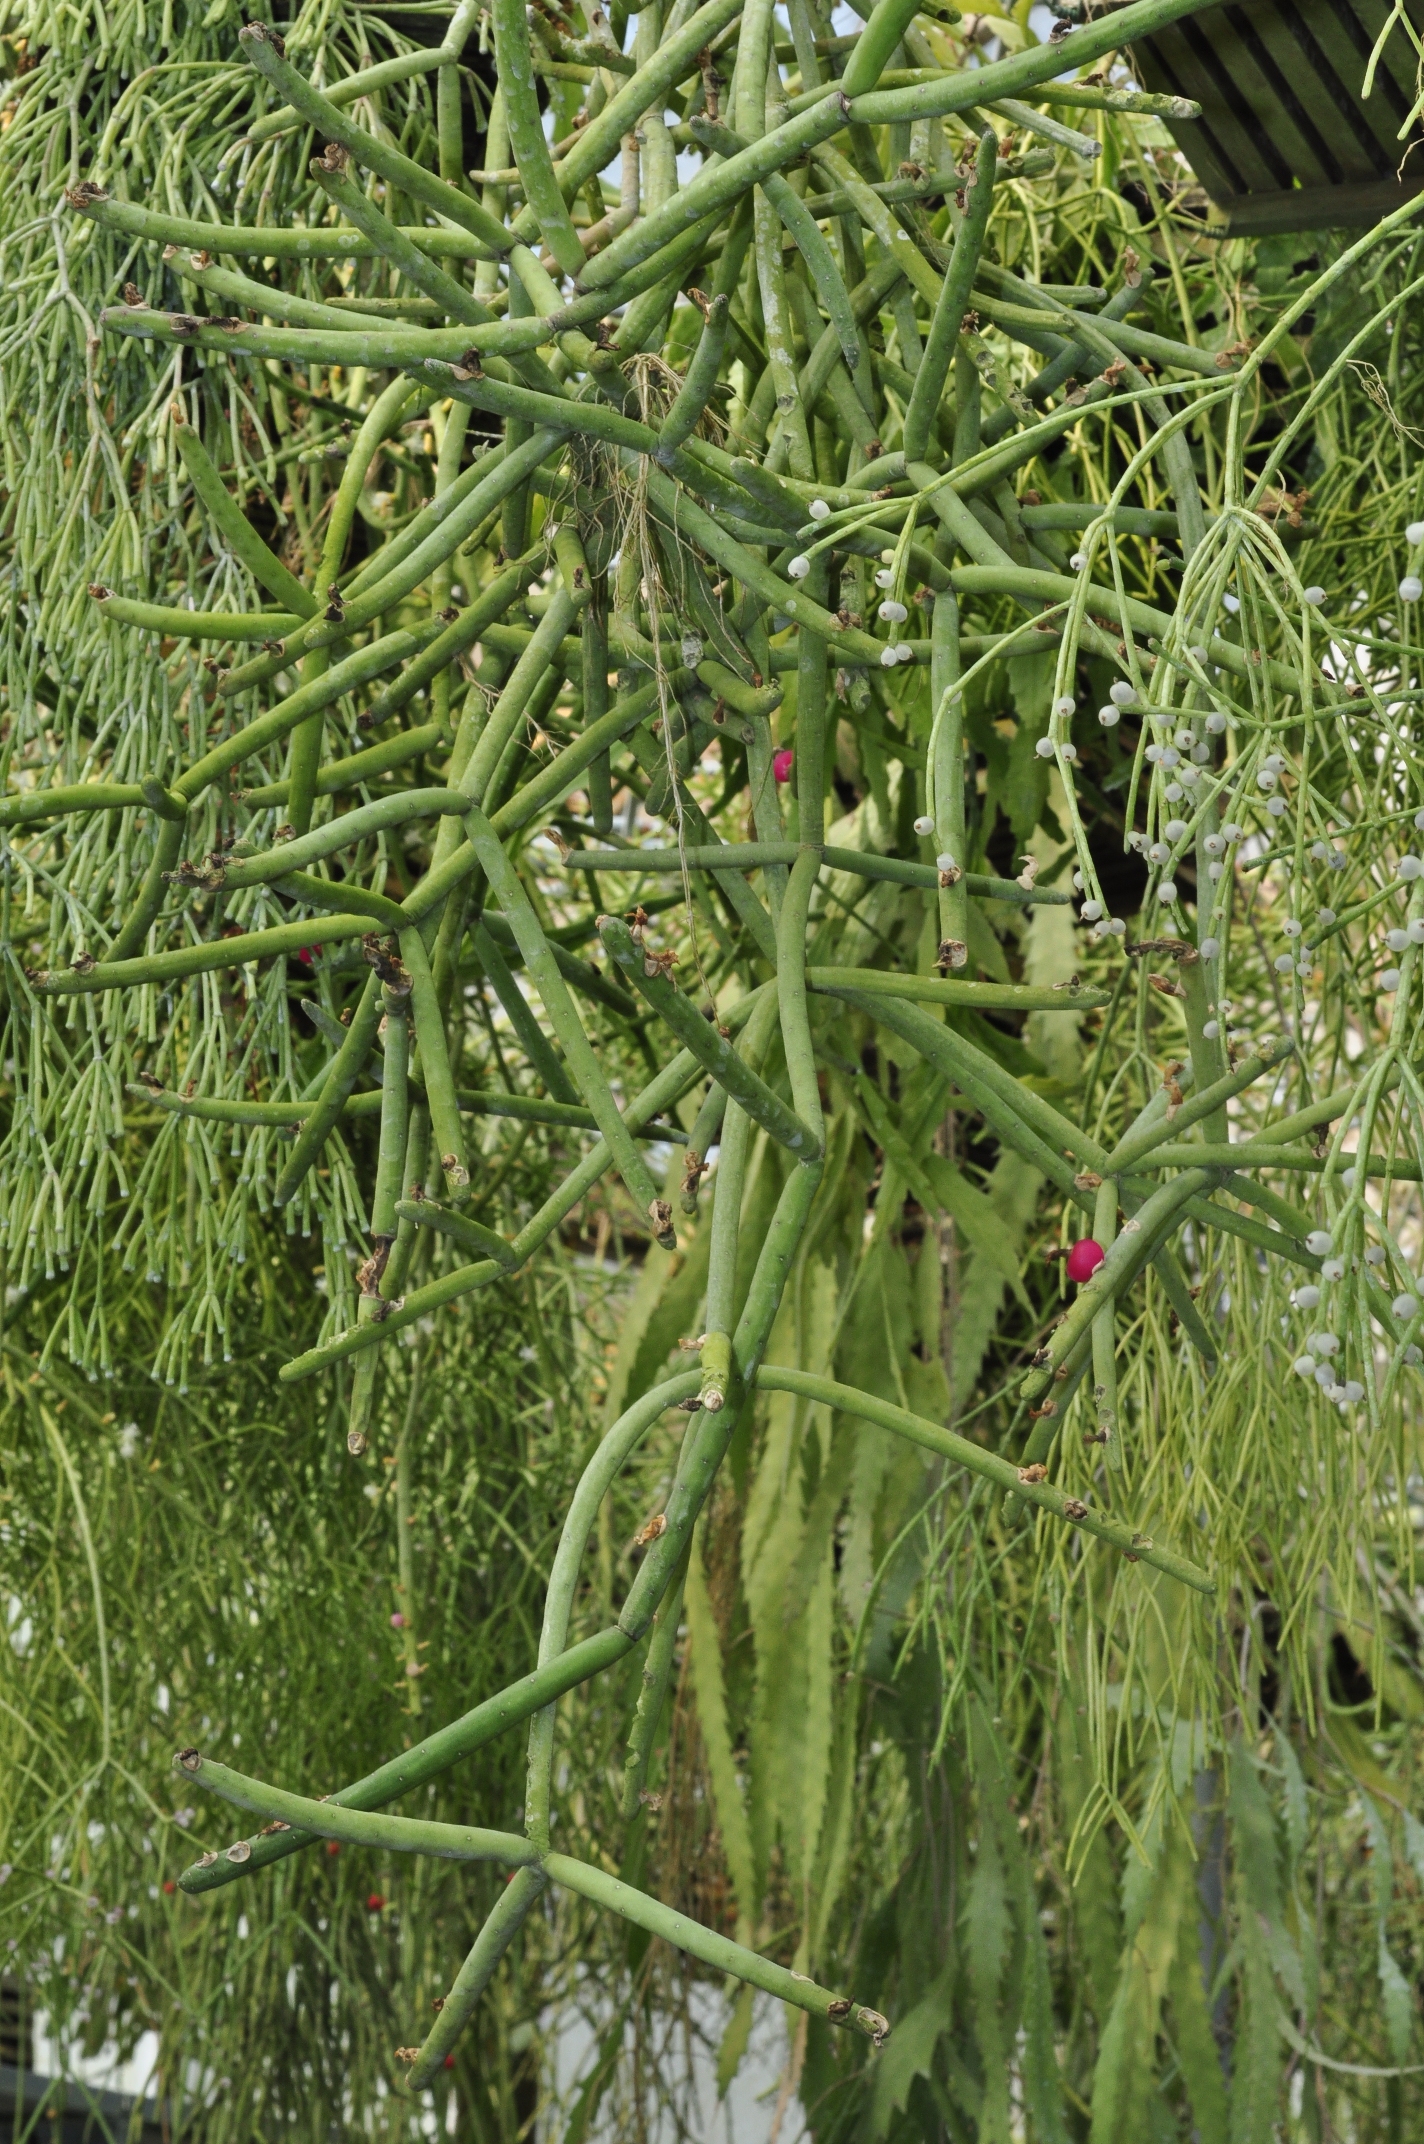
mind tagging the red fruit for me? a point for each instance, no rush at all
(1084, 1259)
(781, 763)
(449, 2062)
(169, 1889)
(375, 1902)
(333, 1846)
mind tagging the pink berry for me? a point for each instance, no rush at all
(781, 763)
(397, 1621)
(1085, 1258)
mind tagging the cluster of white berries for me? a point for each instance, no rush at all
(1319, 1364)
(1063, 708)
(924, 825)
(1120, 695)
(1291, 962)
(1268, 776)
(1104, 926)
(1212, 1028)
(1317, 1361)
(894, 613)
(1408, 869)
(1405, 1305)
(1320, 1348)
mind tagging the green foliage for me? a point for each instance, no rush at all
(207, 1566)
(1115, 1857)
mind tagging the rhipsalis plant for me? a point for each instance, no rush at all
(734, 682)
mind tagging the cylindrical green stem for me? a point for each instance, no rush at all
(508, 1915)
(953, 301)
(436, 1076)
(988, 1465)
(520, 1013)
(1125, 1259)
(515, 61)
(1105, 1337)
(706, 1044)
(652, 1693)
(947, 780)
(260, 47)
(166, 851)
(583, 1065)
(395, 1112)
(714, 1950)
(349, 1064)
(235, 528)
(686, 413)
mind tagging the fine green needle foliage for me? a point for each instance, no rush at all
(711, 892)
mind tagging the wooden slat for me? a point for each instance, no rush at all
(1250, 140)
(1321, 208)
(1285, 141)
(1394, 76)
(1167, 67)
(1271, 101)
(1317, 99)
(1343, 48)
